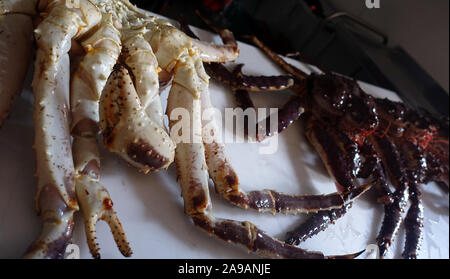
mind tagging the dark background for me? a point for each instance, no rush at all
(345, 44)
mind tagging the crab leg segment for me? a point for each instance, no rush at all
(250, 83)
(395, 169)
(102, 51)
(217, 53)
(55, 198)
(315, 224)
(16, 33)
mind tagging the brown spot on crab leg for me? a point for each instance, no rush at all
(373, 166)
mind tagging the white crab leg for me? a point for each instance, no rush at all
(55, 198)
(102, 51)
(16, 34)
(216, 53)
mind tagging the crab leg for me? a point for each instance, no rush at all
(413, 223)
(211, 52)
(315, 224)
(16, 33)
(295, 72)
(395, 169)
(217, 53)
(55, 198)
(250, 83)
(415, 171)
(102, 48)
(320, 221)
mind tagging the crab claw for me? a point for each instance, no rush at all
(128, 130)
(96, 205)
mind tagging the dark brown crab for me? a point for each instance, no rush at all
(356, 136)
(411, 148)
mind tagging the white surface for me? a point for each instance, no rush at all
(151, 209)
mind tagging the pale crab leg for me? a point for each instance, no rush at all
(55, 198)
(227, 182)
(229, 51)
(140, 59)
(102, 51)
(216, 53)
(209, 52)
(16, 34)
(193, 177)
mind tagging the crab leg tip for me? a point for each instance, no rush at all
(346, 257)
